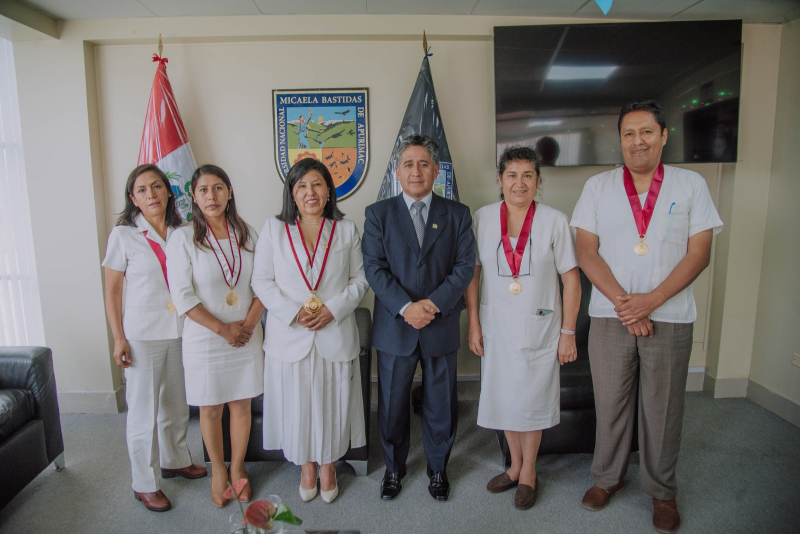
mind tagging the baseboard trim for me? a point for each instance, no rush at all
(91, 401)
(695, 379)
(724, 388)
(774, 402)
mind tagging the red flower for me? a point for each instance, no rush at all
(260, 514)
(232, 492)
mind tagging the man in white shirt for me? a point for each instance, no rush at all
(644, 233)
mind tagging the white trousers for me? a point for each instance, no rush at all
(158, 415)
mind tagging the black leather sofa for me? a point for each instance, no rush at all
(356, 457)
(30, 423)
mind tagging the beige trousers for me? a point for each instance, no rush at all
(627, 370)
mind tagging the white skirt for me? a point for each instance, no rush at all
(217, 373)
(313, 408)
(520, 389)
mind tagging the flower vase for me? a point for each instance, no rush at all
(240, 527)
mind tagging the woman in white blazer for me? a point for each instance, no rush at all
(210, 264)
(147, 336)
(310, 275)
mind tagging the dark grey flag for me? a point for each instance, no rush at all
(422, 117)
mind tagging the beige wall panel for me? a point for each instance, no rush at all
(777, 336)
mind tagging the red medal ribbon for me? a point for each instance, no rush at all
(311, 258)
(514, 257)
(233, 256)
(159, 252)
(642, 215)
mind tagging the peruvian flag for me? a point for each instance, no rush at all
(164, 139)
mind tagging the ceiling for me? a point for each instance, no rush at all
(752, 11)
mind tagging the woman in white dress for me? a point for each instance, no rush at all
(147, 336)
(309, 273)
(517, 324)
(210, 264)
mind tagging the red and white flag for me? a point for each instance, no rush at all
(164, 140)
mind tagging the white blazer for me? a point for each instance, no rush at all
(280, 286)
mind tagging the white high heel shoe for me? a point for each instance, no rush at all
(308, 494)
(329, 496)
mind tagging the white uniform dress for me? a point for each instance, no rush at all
(158, 415)
(215, 372)
(313, 407)
(519, 370)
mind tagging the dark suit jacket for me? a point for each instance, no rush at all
(399, 272)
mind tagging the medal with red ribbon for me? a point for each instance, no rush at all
(162, 259)
(514, 256)
(231, 279)
(643, 215)
(313, 304)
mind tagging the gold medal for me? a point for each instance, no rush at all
(232, 298)
(515, 288)
(171, 307)
(313, 305)
(641, 248)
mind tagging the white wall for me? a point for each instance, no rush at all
(223, 71)
(774, 381)
(733, 341)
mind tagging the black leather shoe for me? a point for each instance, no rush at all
(390, 485)
(439, 486)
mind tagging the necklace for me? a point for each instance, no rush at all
(314, 224)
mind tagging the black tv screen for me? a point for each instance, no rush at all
(561, 87)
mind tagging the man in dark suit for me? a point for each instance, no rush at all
(419, 258)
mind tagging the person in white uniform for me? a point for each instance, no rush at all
(518, 324)
(644, 233)
(309, 273)
(210, 264)
(147, 336)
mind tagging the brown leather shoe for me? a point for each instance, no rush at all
(526, 496)
(666, 518)
(193, 471)
(501, 483)
(596, 498)
(155, 501)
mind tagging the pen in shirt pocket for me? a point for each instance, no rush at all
(669, 221)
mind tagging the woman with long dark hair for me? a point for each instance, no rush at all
(310, 274)
(147, 336)
(210, 265)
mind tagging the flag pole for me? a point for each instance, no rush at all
(160, 46)
(424, 41)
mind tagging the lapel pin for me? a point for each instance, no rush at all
(435, 226)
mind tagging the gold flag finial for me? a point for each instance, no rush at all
(424, 41)
(160, 46)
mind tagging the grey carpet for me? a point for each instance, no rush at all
(739, 471)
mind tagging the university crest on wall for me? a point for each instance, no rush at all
(329, 125)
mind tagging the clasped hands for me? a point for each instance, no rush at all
(314, 322)
(419, 314)
(237, 333)
(634, 310)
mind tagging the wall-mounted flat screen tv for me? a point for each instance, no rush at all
(561, 87)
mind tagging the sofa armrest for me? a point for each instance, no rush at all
(31, 368)
(364, 324)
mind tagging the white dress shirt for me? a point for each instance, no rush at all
(425, 210)
(684, 208)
